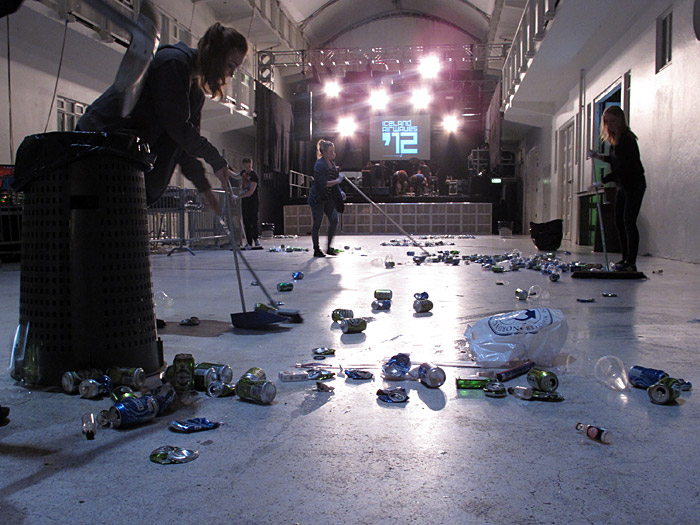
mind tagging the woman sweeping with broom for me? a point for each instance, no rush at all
(628, 174)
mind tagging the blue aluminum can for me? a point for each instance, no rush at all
(298, 276)
(645, 377)
(165, 395)
(397, 366)
(132, 411)
(381, 304)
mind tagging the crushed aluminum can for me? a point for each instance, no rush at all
(642, 377)
(381, 305)
(585, 299)
(322, 350)
(298, 276)
(285, 287)
(665, 391)
(393, 395)
(91, 388)
(422, 296)
(521, 294)
(220, 389)
(495, 389)
(341, 313)
(397, 367)
(318, 374)
(196, 424)
(354, 373)
(168, 455)
(609, 294)
(164, 395)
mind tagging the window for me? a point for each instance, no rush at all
(68, 112)
(664, 30)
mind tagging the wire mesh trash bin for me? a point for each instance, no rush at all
(86, 297)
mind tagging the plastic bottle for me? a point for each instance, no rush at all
(601, 435)
(89, 425)
(611, 372)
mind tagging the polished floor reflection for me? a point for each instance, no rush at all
(445, 456)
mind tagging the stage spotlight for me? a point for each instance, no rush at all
(347, 126)
(331, 88)
(429, 66)
(450, 123)
(378, 99)
(421, 98)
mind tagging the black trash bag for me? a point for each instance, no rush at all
(547, 235)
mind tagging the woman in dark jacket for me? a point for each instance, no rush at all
(325, 196)
(628, 174)
(168, 113)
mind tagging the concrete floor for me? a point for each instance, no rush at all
(316, 458)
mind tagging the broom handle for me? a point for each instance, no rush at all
(237, 253)
(385, 215)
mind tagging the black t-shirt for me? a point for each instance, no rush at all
(249, 177)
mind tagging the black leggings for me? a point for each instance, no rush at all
(250, 223)
(627, 206)
(328, 208)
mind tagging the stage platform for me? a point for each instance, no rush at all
(432, 217)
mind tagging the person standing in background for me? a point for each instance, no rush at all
(325, 196)
(249, 203)
(628, 174)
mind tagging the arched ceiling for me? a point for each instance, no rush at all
(324, 21)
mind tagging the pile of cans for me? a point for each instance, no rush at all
(349, 324)
(398, 368)
(661, 388)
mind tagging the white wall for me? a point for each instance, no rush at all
(664, 114)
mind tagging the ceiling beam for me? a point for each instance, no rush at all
(313, 15)
(402, 14)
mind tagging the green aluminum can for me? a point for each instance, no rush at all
(71, 380)
(422, 305)
(383, 294)
(665, 391)
(259, 390)
(473, 382)
(542, 380)
(354, 325)
(219, 389)
(254, 374)
(262, 307)
(133, 377)
(224, 373)
(183, 372)
(203, 376)
(339, 314)
(121, 392)
(285, 287)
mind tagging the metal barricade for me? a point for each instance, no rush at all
(180, 219)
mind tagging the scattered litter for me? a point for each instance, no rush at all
(422, 296)
(597, 434)
(393, 395)
(381, 305)
(422, 306)
(530, 394)
(323, 387)
(472, 383)
(89, 426)
(298, 276)
(516, 371)
(495, 389)
(323, 351)
(353, 325)
(665, 391)
(285, 287)
(430, 375)
(254, 386)
(197, 424)
(168, 455)
(657, 272)
(163, 300)
(220, 389)
(383, 294)
(397, 367)
(341, 313)
(610, 371)
(190, 321)
(609, 294)
(354, 373)
(585, 299)
(536, 334)
(254, 283)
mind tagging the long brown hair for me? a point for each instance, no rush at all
(322, 146)
(214, 49)
(614, 111)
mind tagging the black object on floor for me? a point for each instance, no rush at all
(256, 320)
(598, 274)
(293, 316)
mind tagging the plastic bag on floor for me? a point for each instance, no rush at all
(537, 334)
